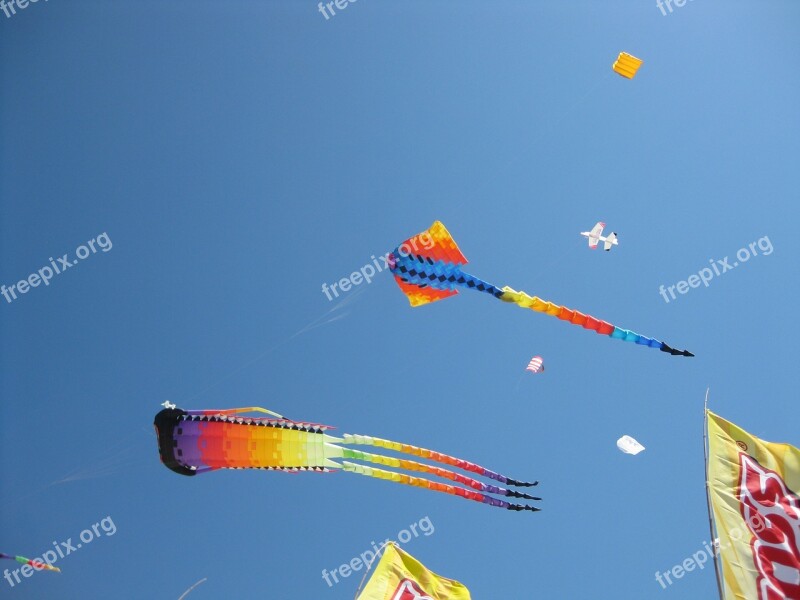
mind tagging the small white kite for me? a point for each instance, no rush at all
(629, 445)
(596, 235)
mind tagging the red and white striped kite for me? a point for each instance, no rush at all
(535, 365)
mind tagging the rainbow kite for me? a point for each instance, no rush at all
(427, 267)
(38, 565)
(199, 441)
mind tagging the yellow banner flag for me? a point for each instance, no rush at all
(753, 490)
(399, 576)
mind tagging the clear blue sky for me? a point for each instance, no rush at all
(241, 154)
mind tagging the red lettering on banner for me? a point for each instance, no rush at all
(409, 590)
(772, 513)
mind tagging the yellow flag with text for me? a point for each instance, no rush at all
(753, 487)
(399, 576)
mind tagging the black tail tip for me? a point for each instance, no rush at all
(520, 507)
(516, 494)
(516, 483)
(673, 351)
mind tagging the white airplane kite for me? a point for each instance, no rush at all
(595, 235)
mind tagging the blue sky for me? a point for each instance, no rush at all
(240, 155)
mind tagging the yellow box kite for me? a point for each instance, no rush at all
(753, 492)
(627, 65)
(399, 576)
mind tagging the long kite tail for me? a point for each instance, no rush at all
(586, 321)
(432, 485)
(412, 465)
(365, 440)
(428, 268)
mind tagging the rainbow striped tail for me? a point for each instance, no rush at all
(482, 490)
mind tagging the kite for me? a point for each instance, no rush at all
(433, 272)
(36, 564)
(535, 365)
(629, 445)
(596, 235)
(199, 441)
(627, 65)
